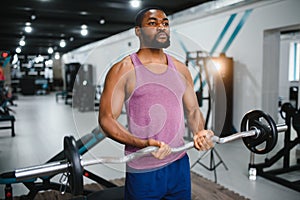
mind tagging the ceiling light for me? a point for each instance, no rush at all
(71, 39)
(22, 43)
(27, 23)
(50, 50)
(49, 63)
(84, 32)
(33, 17)
(56, 55)
(15, 59)
(83, 26)
(135, 3)
(102, 21)
(62, 43)
(39, 59)
(28, 29)
(83, 13)
(18, 50)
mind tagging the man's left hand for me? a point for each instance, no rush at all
(202, 140)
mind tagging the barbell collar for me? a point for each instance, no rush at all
(282, 127)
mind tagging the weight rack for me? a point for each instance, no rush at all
(292, 117)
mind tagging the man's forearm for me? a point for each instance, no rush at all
(195, 120)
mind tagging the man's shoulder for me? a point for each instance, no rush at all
(123, 65)
(180, 66)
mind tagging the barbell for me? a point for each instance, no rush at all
(257, 128)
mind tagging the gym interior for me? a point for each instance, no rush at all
(244, 58)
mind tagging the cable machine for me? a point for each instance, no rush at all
(199, 59)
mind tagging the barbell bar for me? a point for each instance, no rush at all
(254, 133)
(219, 140)
(61, 166)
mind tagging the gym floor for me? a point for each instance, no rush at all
(41, 124)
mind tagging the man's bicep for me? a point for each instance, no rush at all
(118, 100)
(195, 119)
(189, 99)
(113, 96)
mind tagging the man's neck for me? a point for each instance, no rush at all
(147, 55)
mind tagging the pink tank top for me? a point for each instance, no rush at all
(155, 110)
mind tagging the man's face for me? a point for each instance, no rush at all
(154, 31)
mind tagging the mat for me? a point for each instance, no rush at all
(202, 188)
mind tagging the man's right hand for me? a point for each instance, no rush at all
(163, 151)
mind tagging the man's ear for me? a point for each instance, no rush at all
(137, 31)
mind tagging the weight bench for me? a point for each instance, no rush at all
(11, 118)
(34, 185)
(62, 94)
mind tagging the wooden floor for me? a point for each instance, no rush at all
(41, 124)
(203, 188)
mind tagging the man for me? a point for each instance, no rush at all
(2, 76)
(158, 92)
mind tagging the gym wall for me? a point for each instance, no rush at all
(246, 48)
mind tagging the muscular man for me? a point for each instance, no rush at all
(158, 93)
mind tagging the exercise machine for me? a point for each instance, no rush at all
(292, 119)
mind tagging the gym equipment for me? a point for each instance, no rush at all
(252, 120)
(219, 86)
(199, 59)
(71, 71)
(11, 119)
(5, 110)
(74, 165)
(83, 90)
(72, 156)
(292, 118)
(293, 96)
(35, 185)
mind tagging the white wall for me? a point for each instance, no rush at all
(201, 34)
(247, 48)
(284, 83)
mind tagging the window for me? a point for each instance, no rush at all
(294, 61)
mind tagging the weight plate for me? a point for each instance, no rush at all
(296, 122)
(287, 110)
(264, 123)
(75, 179)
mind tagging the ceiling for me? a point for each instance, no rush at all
(61, 19)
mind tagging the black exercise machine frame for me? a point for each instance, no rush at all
(202, 56)
(291, 117)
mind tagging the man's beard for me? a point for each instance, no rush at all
(155, 43)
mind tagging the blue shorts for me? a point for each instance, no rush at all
(170, 182)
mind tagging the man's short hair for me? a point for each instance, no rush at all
(140, 15)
